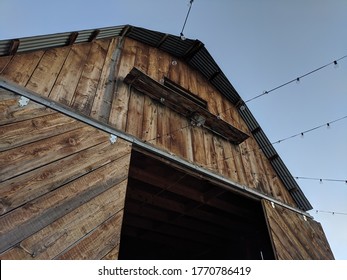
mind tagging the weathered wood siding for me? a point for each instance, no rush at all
(295, 238)
(62, 185)
(89, 78)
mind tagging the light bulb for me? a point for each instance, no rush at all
(336, 65)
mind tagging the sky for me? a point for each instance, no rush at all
(259, 45)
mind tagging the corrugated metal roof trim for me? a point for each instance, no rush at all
(4, 47)
(146, 36)
(264, 143)
(176, 46)
(107, 33)
(284, 174)
(248, 118)
(301, 200)
(83, 36)
(40, 42)
(203, 61)
(223, 85)
(58, 40)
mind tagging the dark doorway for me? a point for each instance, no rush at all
(171, 214)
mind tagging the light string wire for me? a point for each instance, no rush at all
(247, 151)
(309, 130)
(243, 151)
(296, 79)
(185, 21)
(330, 212)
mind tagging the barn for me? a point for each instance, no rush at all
(128, 143)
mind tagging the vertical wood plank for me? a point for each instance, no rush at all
(150, 110)
(210, 152)
(163, 129)
(86, 89)
(67, 81)
(135, 114)
(230, 165)
(46, 72)
(150, 119)
(120, 101)
(4, 61)
(197, 134)
(21, 67)
(135, 117)
(198, 145)
(246, 162)
(220, 156)
(103, 96)
(240, 170)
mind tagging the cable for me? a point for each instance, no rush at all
(168, 134)
(309, 130)
(295, 80)
(185, 21)
(297, 134)
(330, 212)
(320, 179)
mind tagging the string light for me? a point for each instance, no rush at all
(297, 79)
(330, 212)
(321, 179)
(309, 130)
(214, 163)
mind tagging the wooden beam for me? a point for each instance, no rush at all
(93, 36)
(14, 47)
(163, 216)
(72, 38)
(183, 106)
(182, 189)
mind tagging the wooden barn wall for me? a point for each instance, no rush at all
(89, 77)
(294, 237)
(62, 183)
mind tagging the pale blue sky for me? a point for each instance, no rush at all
(259, 44)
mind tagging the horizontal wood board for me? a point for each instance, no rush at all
(61, 183)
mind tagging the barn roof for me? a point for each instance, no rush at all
(194, 53)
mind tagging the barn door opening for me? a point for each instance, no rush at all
(173, 214)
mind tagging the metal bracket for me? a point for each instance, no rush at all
(113, 138)
(305, 219)
(272, 204)
(197, 120)
(23, 101)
